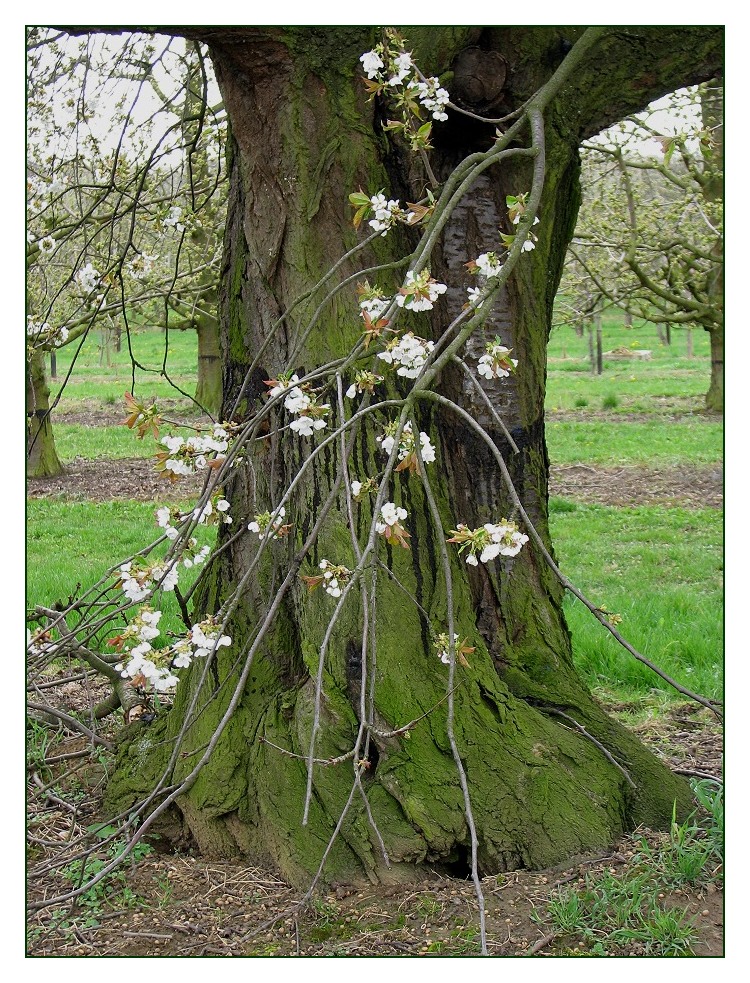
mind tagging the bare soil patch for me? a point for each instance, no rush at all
(684, 486)
(136, 479)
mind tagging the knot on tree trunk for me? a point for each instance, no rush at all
(478, 79)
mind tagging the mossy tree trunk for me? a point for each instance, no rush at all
(541, 791)
(42, 460)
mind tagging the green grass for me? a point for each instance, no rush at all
(667, 383)
(77, 542)
(74, 440)
(661, 570)
(104, 376)
(645, 444)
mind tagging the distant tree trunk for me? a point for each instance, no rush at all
(42, 459)
(715, 394)
(209, 388)
(689, 342)
(712, 110)
(592, 344)
(599, 356)
(302, 138)
(628, 320)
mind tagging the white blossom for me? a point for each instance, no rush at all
(375, 306)
(297, 401)
(403, 65)
(305, 426)
(87, 278)
(409, 353)
(420, 291)
(475, 297)
(488, 265)
(433, 97)
(173, 219)
(390, 515)
(386, 213)
(371, 63)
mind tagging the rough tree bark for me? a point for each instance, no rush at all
(303, 136)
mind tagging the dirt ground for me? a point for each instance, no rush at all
(137, 480)
(180, 904)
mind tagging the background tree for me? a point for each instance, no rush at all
(123, 210)
(649, 235)
(430, 711)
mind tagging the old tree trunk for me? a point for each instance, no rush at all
(541, 791)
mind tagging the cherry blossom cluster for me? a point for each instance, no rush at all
(201, 640)
(487, 265)
(333, 577)
(407, 454)
(302, 402)
(186, 457)
(386, 212)
(409, 352)
(496, 363)
(141, 667)
(146, 666)
(139, 579)
(364, 382)
(433, 97)
(389, 524)
(441, 644)
(141, 265)
(173, 219)
(389, 66)
(214, 511)
(420, 291)
(43, 335)
(488, 541)
(87, 278)
(274, 520)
